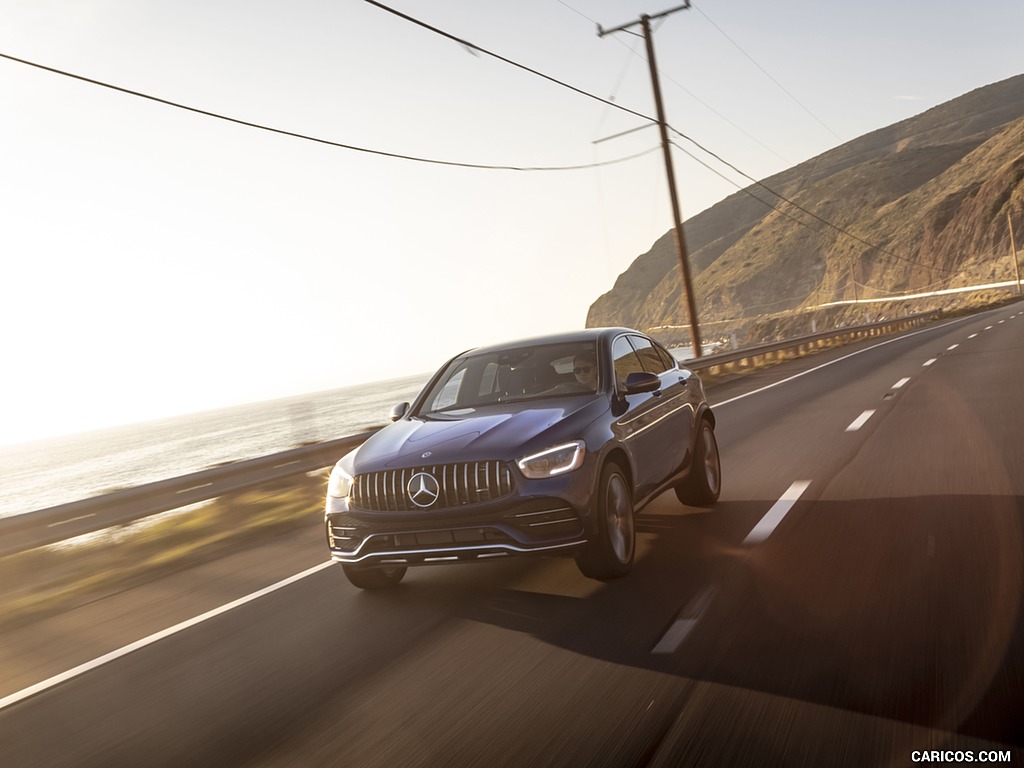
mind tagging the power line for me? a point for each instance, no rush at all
(777, 209)
(767, 73)
(318, 140)
(682, 87)
(744, 190)
(799, 207)
(499, 57)
(481, 166)
(580, 91)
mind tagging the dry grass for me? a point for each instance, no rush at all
(51, 579)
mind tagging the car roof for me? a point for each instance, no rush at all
(586, 334)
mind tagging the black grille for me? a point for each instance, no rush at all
(468, 482)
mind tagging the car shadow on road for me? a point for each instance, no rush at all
(909, 609)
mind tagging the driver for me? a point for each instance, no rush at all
(584, 368)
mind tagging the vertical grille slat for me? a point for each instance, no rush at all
(459, 484)
(444, 486)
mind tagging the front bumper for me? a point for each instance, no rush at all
(550, 516)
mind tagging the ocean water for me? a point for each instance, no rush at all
(48, 472)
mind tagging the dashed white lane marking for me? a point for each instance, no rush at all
(685, 622)
(973, 336)
(951, 347)
(928, 362)
(71, 520)
(860, 421)
(900, 383)
(195, 488)
(989, 327)
(88, 666)
(837, 360)
(768, 523)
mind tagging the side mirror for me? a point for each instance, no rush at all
(398, 411)
(638, 382)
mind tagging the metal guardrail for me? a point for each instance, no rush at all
(753, 356)
(20, 533)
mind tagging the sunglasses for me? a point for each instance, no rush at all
(582, 369)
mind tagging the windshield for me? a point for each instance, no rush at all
(514, 375)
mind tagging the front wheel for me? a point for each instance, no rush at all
(373, 576)
(702, 486)
(610, 554)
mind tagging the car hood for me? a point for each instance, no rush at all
(504, 432)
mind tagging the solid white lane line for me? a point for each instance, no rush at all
(764, 528)
(928, 362)
(900, 383)
(952, 347)
(106, 658)
(833, 362)
(860, 421)
(685, 622)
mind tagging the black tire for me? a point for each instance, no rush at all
(704, 483)
(373, 576)
(610, 554)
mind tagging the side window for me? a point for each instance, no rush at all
(648, 355)
(625, 361)
(449, 394)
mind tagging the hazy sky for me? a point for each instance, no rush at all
(157, 261)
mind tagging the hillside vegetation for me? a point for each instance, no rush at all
(932, 192)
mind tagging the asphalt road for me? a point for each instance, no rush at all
(854, 599)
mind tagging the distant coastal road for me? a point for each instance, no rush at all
(855, 599)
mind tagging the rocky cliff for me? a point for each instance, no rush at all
(922, 204)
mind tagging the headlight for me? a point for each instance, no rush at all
(554, 461)
(340, 484)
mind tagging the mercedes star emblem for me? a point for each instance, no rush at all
(423, 489)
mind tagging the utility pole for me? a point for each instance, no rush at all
(677, 218)
(1013, 252)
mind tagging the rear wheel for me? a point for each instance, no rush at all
(373, 576)
(610, 554)
(702, 486)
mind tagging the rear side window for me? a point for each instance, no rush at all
(649, 357)
(667, 360)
